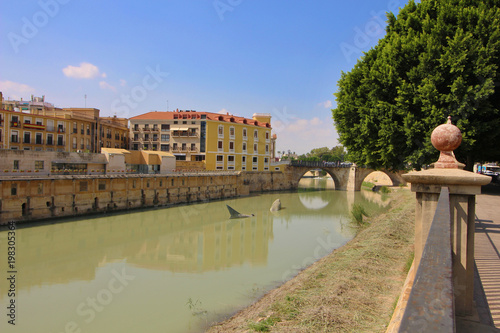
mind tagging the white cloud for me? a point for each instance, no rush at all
(15, 90)
(106, 86)
(326, 104)
(123, 83)
(84, 71)
(302, 135)
(223, 111)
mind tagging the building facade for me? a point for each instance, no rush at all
(221, 141)
(38, 125)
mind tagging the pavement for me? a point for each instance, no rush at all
(487, 258)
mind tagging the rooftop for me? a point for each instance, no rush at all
(190, 114)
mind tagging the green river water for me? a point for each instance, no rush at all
(172, 269)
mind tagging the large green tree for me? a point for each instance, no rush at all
(438, 58)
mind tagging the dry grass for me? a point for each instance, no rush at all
(354, 289)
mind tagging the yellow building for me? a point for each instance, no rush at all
(222, 141)
(40, 126)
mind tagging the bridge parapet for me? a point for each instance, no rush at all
(444, 222)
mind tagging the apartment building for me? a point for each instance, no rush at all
(221, 141)
(38, 125)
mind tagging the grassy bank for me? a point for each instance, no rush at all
(354, 289)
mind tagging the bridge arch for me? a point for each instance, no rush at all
(336, 181)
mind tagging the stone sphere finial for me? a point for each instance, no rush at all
(446, 138)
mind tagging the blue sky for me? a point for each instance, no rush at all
(237, 56)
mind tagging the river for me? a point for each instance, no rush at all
(169, 269)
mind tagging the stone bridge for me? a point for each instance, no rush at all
(346, 178)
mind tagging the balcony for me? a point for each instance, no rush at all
(60, 130)
(59, 143)
(155, 129)
(14, 124)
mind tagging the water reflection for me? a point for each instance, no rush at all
(192, 251)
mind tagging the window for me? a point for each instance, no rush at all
(74, 143)
(219, 146)
(135, 146)
(50, 125)
(60, 140)
(255, 150)
(230, 159)
(193, 147)
(38, 138)
(75, 128)
(231, 132)
(13, 189)
(243, 159)
(244, 147)
(220, 162)
(102, 185)
(146, 136)
(39, 165)
(82, 143)
(39, 121)
(27, 120)
(255, 135)
(267, 149)
(244, 134)
(84, 186)
(146, 147)
(15, 165)
(231, 146)
(221, 131)
(165, 127)
(267, 136)
(136, 137)
(27, 137)
(255, 161)
(155, 137)
(14, 137)
(50, 139)
(266, 160)
(165, 137)
(82, 130)
(88, 129)
(165, 147)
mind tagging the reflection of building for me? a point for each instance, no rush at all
(160, 239)
(222, 142)
(38, 125)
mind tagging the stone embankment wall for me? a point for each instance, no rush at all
(36, 198)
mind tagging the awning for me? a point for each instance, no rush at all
(179, 128)
(179, 154)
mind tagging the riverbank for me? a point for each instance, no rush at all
(353, 289)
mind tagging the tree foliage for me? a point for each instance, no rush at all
(336, 154)
(438, 58)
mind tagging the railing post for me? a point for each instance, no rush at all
(463, 187)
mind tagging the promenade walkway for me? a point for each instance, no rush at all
(487, 255)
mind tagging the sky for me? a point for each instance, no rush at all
(239, 56)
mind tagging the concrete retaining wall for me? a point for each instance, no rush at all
(45, 197)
